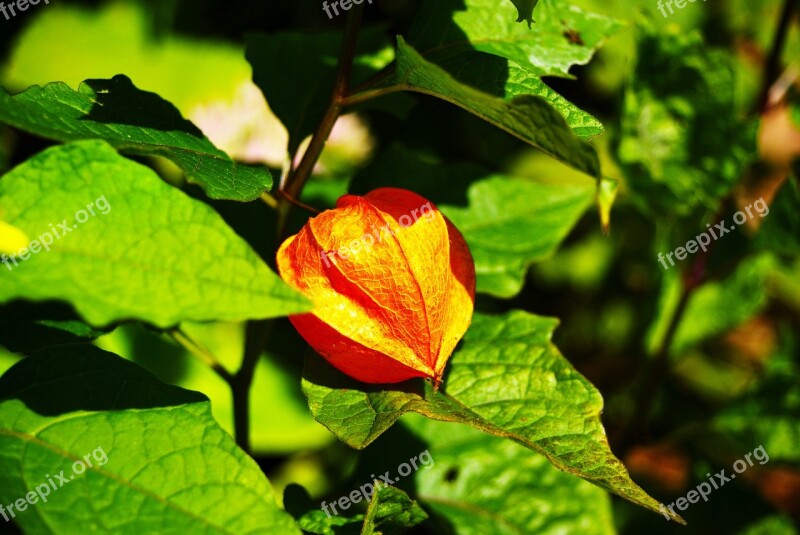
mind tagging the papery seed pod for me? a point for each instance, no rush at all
(392, 282)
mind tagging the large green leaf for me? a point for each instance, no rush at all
(507, 380)
(155, 255)
(160, 463)
(528, 494)
(136, 122)
(682, 145)
(477, 42)
(511, 224)
(529, 117)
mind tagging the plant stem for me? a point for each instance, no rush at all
(202, 353)
(772, 68)
(298, 178)
(291, 186)
(255, 338)
(657, 369)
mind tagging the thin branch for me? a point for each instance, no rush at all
(202, 353)
(772, 68)
(297, 179)
(255, 339)
(658, 367)
(298, 203)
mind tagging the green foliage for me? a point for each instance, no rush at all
(481, 47)
(529, 495)
(768, 414)
(681, 145)
(696, 364)
(546, 405)
(529, 117)
(158, 457)
(510, 224)
(136, 122)
(720, 306)
(191, 267)
(390, 509)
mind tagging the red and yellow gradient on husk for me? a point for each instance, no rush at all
(389, 310)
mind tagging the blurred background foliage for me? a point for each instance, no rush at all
(681, 99)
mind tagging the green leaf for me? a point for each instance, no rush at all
(312, 519)
(682, 145)
(317, 521)
(780, 229)
(135, 122)
(507, 80)
(771, 525)
(607, 190)
(478, 44)
(149, 253)
(794, 113)
(25, 335)
(511, 224)
(528, 494)
(159, 460)
(507, 380)
(448, 27)
(528, 117)
(717, 307)
(391, 509)
(296, 73)
(768, 414)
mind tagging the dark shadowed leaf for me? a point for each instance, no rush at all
(159, 461)
(136, 122)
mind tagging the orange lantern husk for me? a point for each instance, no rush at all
(392, 282)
